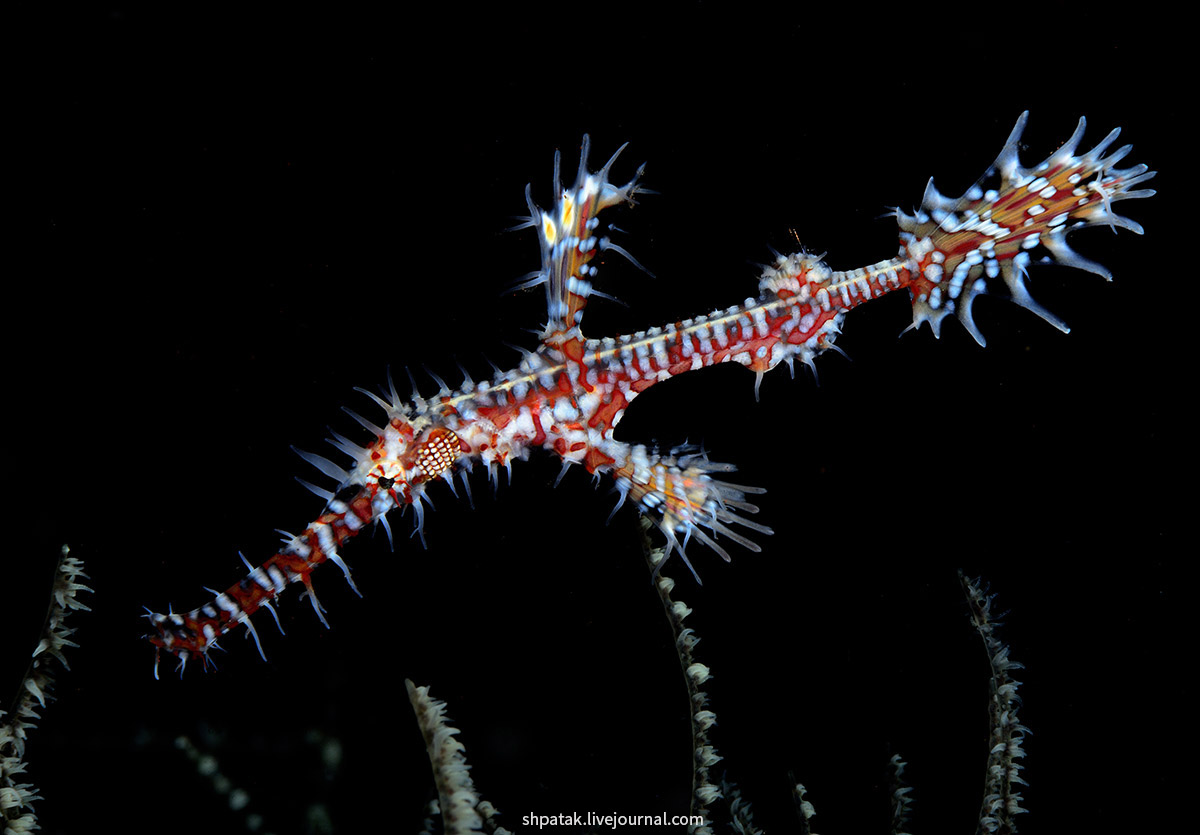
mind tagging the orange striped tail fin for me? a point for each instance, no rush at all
(993, 230)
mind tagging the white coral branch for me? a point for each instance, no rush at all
(704, 754)
(462, 810)
(16, 810)
(1001, 800)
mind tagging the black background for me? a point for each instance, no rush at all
(228, 220)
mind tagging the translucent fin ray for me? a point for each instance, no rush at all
(960, 244)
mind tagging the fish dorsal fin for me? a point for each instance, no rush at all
(570, 238)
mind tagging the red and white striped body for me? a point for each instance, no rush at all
(569, 394)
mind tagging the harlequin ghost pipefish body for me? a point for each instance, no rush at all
(568, 395)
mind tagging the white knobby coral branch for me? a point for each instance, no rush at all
(16, 811)
(462, 810)
(1001, 801)
(705, 756)
(901, 802)
(804, 809)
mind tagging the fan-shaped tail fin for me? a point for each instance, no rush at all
(992, 229)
